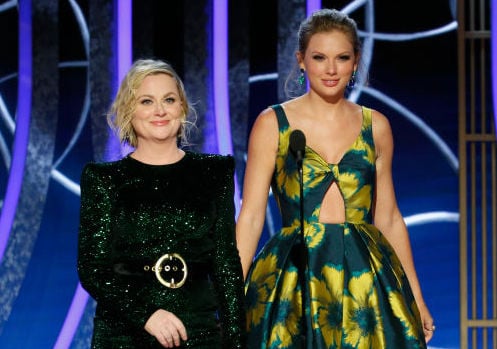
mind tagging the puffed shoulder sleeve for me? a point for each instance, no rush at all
(227, 266)
(117, 294)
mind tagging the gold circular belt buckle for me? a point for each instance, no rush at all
(171, 270)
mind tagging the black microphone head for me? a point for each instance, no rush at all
(297, 144)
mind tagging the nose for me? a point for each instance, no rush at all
(331, 68)
(160, 109)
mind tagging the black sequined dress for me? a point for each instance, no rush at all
(132, 214)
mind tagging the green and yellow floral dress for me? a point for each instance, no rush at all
(356, 292)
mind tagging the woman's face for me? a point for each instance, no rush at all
(329, 61)
(159, 111)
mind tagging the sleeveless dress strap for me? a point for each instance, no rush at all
(368, 117)
(367, 126)
(281, 116)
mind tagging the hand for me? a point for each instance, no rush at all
(427, 321)
(167, 328)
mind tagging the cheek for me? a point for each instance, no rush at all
(139, 119)
(314, 68)
(313, 72)
(140, 114)
(135, 124)
(177, 123)
(178, 112)
(347, 68)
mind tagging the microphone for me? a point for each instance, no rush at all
(299, 252)
(297, 146)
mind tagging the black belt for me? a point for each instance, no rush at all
(170, 269)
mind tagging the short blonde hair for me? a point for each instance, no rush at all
(123, 107)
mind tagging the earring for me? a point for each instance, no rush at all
(351, 83)
(301, 77)
(181, 130)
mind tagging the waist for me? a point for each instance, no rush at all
(170, 269)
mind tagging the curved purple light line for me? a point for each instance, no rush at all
(85, 36)
(8, 77)
(493, 44)
(73, 318)
(220, 69)
(432, 217)
(221, 92)
(5, 116)
(124, 59)
(419, 123)
(312, 5)
(124, 38)
(411, 36)
(354, 5)
(22, 126)
(367, 43)
(80, 19)
(7, 5)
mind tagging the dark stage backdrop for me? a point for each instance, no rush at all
(412, 62)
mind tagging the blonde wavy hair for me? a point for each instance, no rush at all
(123, 107)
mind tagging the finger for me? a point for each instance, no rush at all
(428, 336)
(176, 339)
(165, 343)
(430, 327)
(170, 343)
(429, 331)
(165, 339)
(182, 332)
(176, 326)
(178, 335)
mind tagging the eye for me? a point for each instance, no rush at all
(169, 100)
(318, 57)
(146, 101)
(344, 57)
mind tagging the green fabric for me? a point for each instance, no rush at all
(356, 292)
(133, 213)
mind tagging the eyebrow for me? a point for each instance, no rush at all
(165, 95)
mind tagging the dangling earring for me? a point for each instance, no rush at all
(302, 77)
(182, 122)
(351, 83)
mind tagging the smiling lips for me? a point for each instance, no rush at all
(330, 83)
(160, 122)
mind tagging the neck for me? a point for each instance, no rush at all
(158, 155)
(326, 108)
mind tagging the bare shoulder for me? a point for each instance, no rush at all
(382, 135)
(267, 114)
(295, 106)
(266, 121)
(381, 124)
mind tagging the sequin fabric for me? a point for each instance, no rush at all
(132, 214)
(356, 293)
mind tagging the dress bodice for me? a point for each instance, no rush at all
(132, 215)
(354, 175)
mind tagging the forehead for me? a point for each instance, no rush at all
(330, 40)
(158, 83)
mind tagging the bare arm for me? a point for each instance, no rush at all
(262, 148)
(387, 216)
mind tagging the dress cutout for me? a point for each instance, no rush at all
(356, 292)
